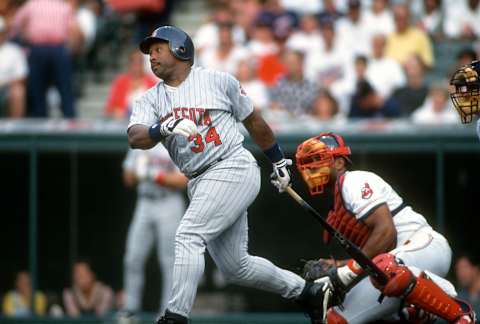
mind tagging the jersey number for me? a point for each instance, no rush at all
(211, 136)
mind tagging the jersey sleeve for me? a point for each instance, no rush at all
(144, 111)
(241, 104)
(362, 193)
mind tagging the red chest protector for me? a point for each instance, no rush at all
(344, 221)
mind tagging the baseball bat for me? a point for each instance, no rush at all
(364, 261)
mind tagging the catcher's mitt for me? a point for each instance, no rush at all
(315, 269)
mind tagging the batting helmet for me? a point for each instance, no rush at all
(465, 90)
(180, 44)
(315, 158)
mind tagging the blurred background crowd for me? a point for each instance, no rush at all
(326, 60)
(320, 60)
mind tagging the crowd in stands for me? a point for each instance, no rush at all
(330, 60)
(340, 60)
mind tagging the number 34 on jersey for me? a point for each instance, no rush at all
(201, 117)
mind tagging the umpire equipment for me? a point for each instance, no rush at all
(179, 42)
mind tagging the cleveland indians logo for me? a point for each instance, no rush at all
(366, 191)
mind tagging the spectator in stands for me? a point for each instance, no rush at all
(413, 93)
(206, 36)
(87, 296)
(13, 72)
(293, 92)
(408, 40)
(263, 42)
(461, 19)
(244, 13)
(226, 55)
(352, 32)
(307, 38)
(330, 64)
(437, 107)
(46, 25)
(385, 74)
(128, 86)
(16, 303)
(431, 19)
(282, 21)
(254, 88)
(465, 56)
(329, 12)
(366, 103)
(467, 272)
(379, 19)
(325, 107)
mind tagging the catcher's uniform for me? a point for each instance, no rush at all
(357, 195)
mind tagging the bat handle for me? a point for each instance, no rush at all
(294, 194)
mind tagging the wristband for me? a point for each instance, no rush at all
(160, 178)
(154, 132)
(274, 153)
(354, 266)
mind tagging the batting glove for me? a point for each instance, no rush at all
(180, 126)
(280, 177)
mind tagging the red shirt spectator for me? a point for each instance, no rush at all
(128, 86)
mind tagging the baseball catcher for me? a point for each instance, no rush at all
(369, 213)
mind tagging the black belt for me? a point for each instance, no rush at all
(200, 171)
(398, 209)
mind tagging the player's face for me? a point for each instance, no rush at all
(162, 60)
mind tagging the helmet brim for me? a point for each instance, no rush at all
(148, 42)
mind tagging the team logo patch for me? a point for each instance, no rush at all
(366, 191)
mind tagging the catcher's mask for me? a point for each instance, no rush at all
(315, 159)
(465, 91)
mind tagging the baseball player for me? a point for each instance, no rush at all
(465, 92)
(158, 211)
(369, 212)
(195, 112)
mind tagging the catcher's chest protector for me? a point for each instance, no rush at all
(344, 221)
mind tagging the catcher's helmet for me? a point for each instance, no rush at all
(179, 42)
(465, 91)
(315, 158)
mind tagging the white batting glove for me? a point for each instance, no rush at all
(180, 126)
(280, 177)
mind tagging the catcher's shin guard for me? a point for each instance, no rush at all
(420, 291)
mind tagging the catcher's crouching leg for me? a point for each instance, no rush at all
(420, 291)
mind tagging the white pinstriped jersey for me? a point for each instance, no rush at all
(155, 160)
(213, 100)
(362, 191)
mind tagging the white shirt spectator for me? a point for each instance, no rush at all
(381, 23)
(458, 17)
(258, 93)
(385, 75)
(209, 58)
(305, 42)
(87, 22)
(427, 115)
(259, 49)
(355, 36)
(206, 36)
(321, 65)
(302, 7)
(13, 63)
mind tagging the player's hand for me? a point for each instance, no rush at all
(280, 176)
(180, 126)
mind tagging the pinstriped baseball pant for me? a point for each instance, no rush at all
(216, 220)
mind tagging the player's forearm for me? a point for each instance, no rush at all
(259, 130)
(139, 137)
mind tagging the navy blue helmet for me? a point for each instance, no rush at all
(179, 42)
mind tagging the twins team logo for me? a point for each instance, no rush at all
(366, 191)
